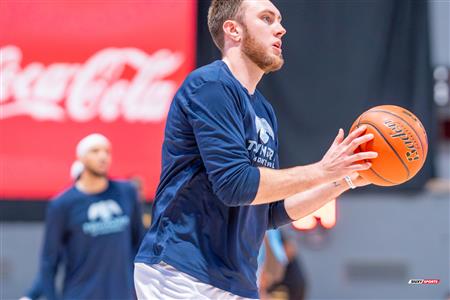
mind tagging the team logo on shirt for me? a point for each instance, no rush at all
(105, 217)
(264, 130)
(263, 154)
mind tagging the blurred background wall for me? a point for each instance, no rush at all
(342, 57)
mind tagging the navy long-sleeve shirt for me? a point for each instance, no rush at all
(35, 292)
(216, 137)
(98, 235)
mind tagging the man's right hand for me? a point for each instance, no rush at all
(340, 159)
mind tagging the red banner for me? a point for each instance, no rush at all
(69, 69)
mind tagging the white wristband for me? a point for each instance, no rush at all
(349, 182)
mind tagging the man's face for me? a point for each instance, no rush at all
(97, 160)
(261, 38)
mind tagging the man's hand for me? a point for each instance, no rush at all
(340, 160)
(359, 181)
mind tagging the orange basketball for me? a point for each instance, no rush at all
(400, 140)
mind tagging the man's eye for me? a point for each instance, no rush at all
(267, 19)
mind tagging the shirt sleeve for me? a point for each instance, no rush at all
(278, 215)
(36, 289)
(52, 249)
(277, 211)
(137, 228)
(217, 122)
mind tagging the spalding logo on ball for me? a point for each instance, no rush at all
(400, 140)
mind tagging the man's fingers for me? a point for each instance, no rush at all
(359, 141)
(354, 176)
(354, 134)
(363, 156)
(339, 137)
(360, 167)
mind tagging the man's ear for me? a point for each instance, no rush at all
(232, 29)
(82, 159)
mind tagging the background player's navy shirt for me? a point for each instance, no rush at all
(35, 292)
(98, 236)
(216, 136)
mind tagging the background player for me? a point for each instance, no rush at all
(95, 226)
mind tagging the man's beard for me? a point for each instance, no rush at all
(258, 54)
(94, 172)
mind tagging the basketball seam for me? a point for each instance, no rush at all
(374, 172)
(418, 136)
(398, 156)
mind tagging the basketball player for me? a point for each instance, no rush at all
(96, 227)
(220, 189)
(292, 279)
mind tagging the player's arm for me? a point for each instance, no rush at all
(35, 291)
(302, 204)
(215, 114)
(338, 162)
(137, 228)
(52, 248)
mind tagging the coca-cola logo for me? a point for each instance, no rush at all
(94, 89)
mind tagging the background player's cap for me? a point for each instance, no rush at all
(83, 147)
(90, 141)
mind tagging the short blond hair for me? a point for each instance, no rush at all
(219, 12)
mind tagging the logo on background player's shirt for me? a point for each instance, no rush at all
(105, 217)
(264, 155)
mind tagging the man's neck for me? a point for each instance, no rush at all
(245, 70)
(91, 184)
